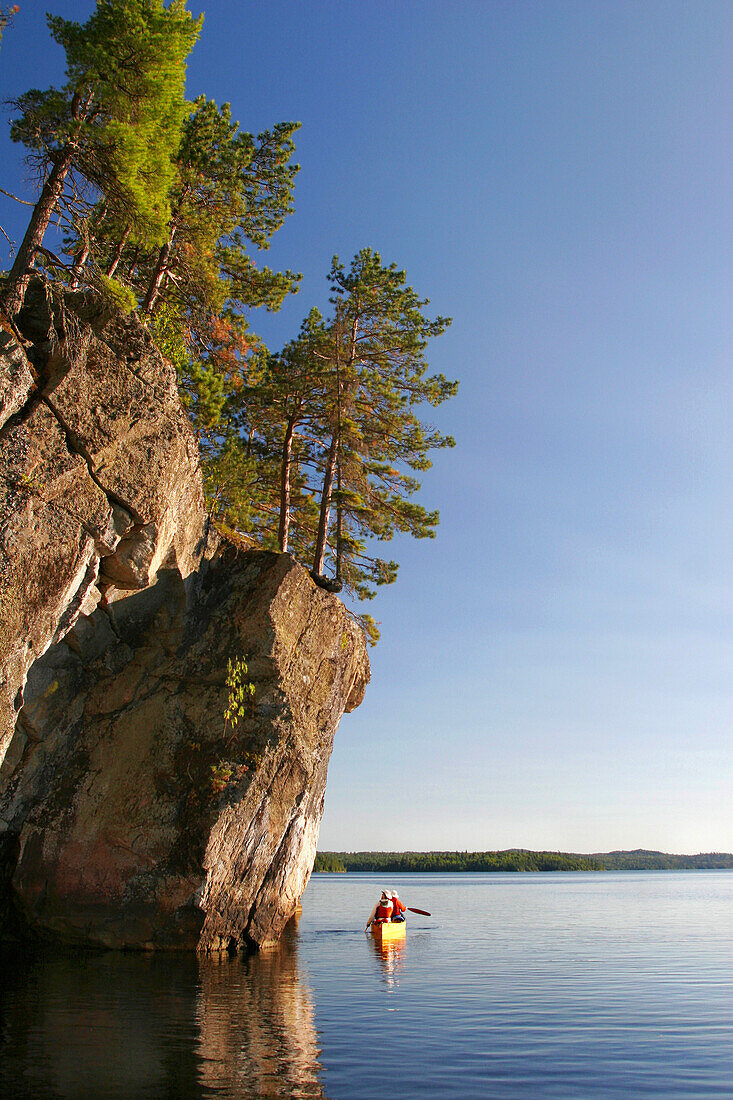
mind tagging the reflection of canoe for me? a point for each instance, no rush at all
(388, 931)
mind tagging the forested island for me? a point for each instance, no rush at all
(520, 859)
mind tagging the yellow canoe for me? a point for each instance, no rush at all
(388, 931)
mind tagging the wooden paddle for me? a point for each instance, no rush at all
(422, 912)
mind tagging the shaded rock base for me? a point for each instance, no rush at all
(134, 813)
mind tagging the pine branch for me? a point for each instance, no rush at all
(10, 195)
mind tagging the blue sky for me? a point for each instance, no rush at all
(556, 668)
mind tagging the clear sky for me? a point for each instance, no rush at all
(556, 668)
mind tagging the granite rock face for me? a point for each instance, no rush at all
(176, 699)
(99, 479)
(143, 816)
(16, 375)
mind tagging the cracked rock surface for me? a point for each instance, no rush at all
(132, 812)
(99, 481)
(16, 376)
(141, 817)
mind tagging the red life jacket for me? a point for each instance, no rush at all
(398, 907)
(384, 910)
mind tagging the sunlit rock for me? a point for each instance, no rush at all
(134, 812)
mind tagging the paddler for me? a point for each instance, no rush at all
(398, 909)
(382, 911)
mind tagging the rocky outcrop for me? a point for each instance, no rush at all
(99, 479)
(144, 816)
(16, 376)
(176, 701)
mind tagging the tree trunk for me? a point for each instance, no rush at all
(159, 274)
(287, 462)
(339, 409)
(79, 260)
(20, 272)
(333, 453)
(133, 262)
(319, 557)
(118, 253)
(339, 521)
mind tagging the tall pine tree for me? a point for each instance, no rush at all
(115, 124)
(232, 190)
(331, 430)
(378, 371)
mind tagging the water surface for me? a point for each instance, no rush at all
(519, 985)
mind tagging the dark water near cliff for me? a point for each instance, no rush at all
(582, 985)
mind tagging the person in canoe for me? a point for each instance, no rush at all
(398, 909)
(382, 911)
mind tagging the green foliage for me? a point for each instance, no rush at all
(377, 343)
(240, 705)
(318, 449)
(370, 628)
(332, 424)
(328, 862)
(115, 294)
(169, 332)
(121, 109)
(241, 693)
(230, 190)
(511, 860)
(225, 772)
(231, 486)
(517, 859)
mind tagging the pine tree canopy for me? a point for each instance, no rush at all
(122, 106)
(334, 426)
(165, 204)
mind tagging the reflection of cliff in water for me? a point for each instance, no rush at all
(257, 1035)
(74, 1025)
(78, 1025)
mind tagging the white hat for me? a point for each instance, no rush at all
(395, 895)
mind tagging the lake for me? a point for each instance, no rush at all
(518, 985)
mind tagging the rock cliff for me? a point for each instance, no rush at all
(168, 703)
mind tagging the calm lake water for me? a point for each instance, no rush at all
(519, 985)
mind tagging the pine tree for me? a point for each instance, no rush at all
(325, 440)
(114, 125)
(260, 446)
(377, 367)
(231, 190)
(296, 395)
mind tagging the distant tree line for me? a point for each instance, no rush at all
(162, 205)
(518, 859)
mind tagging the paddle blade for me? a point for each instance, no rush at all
(422, 912)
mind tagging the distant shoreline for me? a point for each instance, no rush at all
(519, 859)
